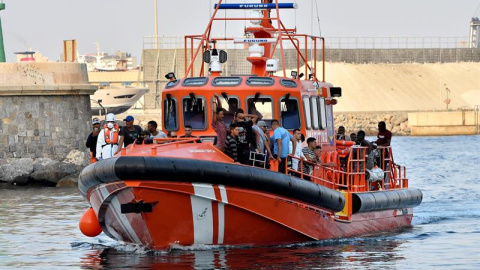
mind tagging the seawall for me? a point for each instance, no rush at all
(45, 118)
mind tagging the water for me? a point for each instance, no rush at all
(39, 227)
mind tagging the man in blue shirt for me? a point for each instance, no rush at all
(281, 141)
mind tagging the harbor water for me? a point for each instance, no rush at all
(39, 227)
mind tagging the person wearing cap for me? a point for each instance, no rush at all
(93, 137)
(130, 132)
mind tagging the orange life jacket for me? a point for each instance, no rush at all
(109, 140)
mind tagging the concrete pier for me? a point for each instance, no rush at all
(45, 118)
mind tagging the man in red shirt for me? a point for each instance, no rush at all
(384, 136)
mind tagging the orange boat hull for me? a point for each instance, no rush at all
(188, 214)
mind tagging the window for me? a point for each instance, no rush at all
(260, 81)
(308, 115)
(314, 103)
(288, 83)
(194, 112)
(230, 104)
(227, 81)
(262, 107)
(289, 113)
(323, 113)
(196, 81)
(172, 84)
(170, 114)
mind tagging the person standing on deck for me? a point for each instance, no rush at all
(231, 143)
(109, 139)
(384, 136)
(218, 125)
(93, 137)
(129, 132)
(281, 139)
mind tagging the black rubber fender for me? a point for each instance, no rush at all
(201, 171)
(386, 200)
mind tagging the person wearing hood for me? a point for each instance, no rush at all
(109, 139)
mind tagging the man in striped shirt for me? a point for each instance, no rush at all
(231, 142)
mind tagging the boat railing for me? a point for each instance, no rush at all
(350, 174)
(199, 44)
(161, 142)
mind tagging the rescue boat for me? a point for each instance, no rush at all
(187, 192)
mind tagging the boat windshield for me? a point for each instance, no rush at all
(262, 107)
(290, 113)
(170, 114)
(230, 104)
(194, 113)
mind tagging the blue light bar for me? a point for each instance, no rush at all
(257, 6)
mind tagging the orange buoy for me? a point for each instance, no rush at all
(89, 225)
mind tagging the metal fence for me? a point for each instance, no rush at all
(176, 42)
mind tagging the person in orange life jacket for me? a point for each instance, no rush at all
(130, 132)
(109, 139)
(92, 138)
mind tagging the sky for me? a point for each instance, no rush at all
(120, 25)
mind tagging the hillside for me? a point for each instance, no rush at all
(401, 87)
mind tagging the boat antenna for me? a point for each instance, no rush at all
(477, 11)
(318, 20)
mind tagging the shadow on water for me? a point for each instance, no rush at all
(364, 252)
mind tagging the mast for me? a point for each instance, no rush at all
(2, 48)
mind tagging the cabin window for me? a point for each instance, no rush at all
(227, 81)
(308, 114)
(262, 106)
(260, 81)
(288, 83)
(314, 104)
(172, 83)
(195, 81)
(323, 113)
(170, 118)
(289, 113)
(194, 112)
(230, 104)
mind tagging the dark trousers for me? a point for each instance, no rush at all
(281, 165)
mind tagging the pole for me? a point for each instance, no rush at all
(2, 48)
(156, 25)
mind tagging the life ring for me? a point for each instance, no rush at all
(342, 152)
(344, 143)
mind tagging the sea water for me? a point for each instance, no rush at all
(39, 227)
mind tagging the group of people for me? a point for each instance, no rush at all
(248, 141)
(104, 142)
(384, 136)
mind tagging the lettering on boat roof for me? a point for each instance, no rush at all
(227, 81)
(196, 81)
(172, 84)
(255, 81)
(288, 83)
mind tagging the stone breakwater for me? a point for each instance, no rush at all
(45, 118)
(397, 122)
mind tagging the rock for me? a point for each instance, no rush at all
(17, 170)
(51, 174)
(77, 158)
(41, 163)
(403, 126)
(69, 181)
(395, 129)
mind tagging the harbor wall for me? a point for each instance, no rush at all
(444, 123)
(45, 118)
